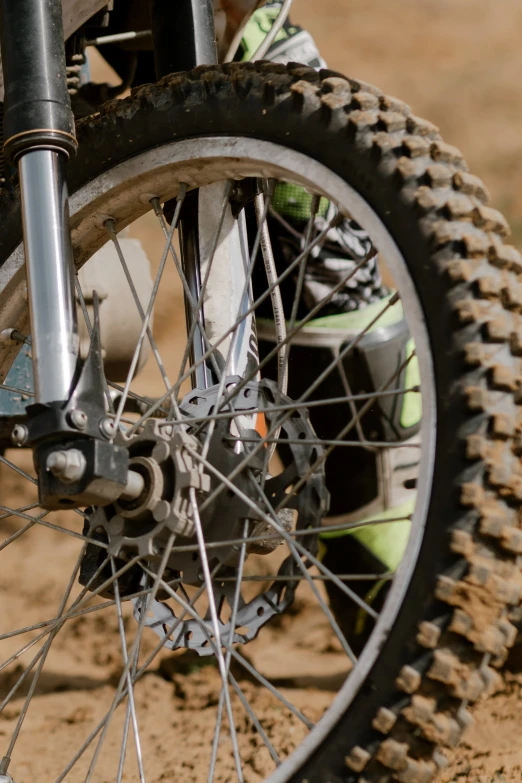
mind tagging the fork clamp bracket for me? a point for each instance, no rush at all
(81, 423)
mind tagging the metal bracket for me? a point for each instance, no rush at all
(76, 435)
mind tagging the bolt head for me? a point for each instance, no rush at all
(161, 452)
(68, 466)
(19, 434)
(56, 462)
(161, 511)
(107, 428)
(78, 419)
(116, 525)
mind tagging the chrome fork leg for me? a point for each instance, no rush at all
(39, 136)
(49, 267)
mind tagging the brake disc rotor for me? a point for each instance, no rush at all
(307, 506)
(169, 464)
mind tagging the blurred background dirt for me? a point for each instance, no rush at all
(459, 64)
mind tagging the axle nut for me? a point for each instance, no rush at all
(68, 466)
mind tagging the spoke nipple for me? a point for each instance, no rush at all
(4, 766)
(19, 434)
(107, 428)
(78, 419)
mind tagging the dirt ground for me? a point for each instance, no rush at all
(458, 63)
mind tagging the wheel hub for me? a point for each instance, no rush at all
(167, 457)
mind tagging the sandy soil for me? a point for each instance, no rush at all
(457, 62)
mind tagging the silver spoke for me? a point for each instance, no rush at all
(293, 406)
(282, 532)
(273, 690)
(85, 596)
(345, 352)
(255, 720)
(233, 616)
(314, 208)
(147, 315)
(131, 654)
(123, 752)
(242, 660)
(109, 225)
(59, 529)
(10, 512)
(335, 627)
(217, 632)
(183, 375)
(18, 470)
(350, 426)
(317, 242)
(370, 444)
(244, 294)
(43, 658)
(70, 616)
(277, 301)
(339, 527)
(195, 310)
(22, 392)
(119, 697)
(316, 577)
(130, 689)
(255, 559)
(5, 543)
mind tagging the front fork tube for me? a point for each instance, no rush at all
(50, 273)
(39, 137)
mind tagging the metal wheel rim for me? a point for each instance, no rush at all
(124, 193)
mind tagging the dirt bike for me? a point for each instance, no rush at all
(193, 507)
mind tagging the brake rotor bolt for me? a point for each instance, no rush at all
(78, 419)
(161, 452)
(161, 511)
(19, 434)
(116, 525)
(107, 428)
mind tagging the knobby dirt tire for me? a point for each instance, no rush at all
(457, 621)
